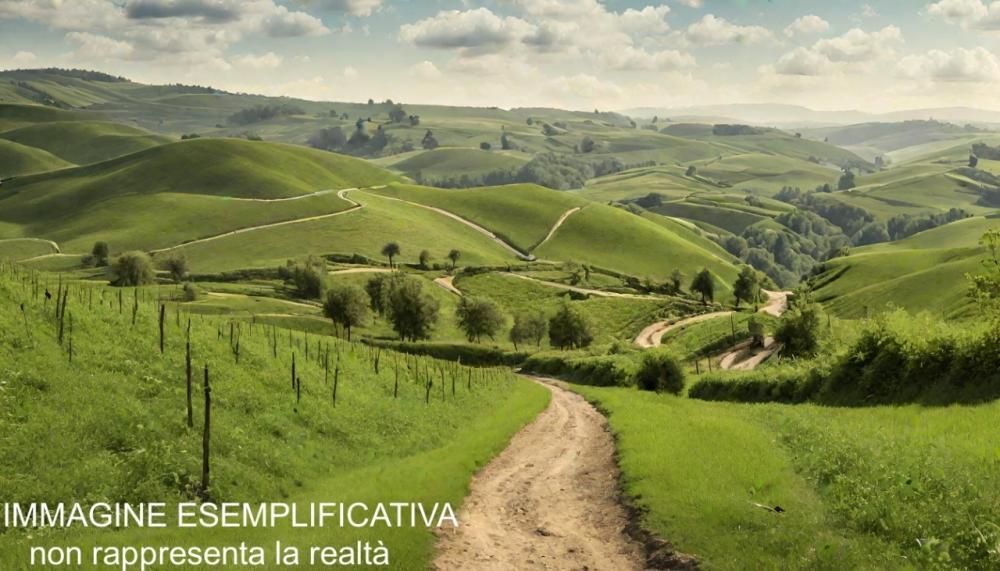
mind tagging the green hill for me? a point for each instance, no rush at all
(84, 142)
(17, 159)
(14, 116)
(441, 163)
(173, 193)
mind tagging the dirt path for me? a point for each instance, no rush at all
(652, 336)
(359, 271)
(505, 245)
(548, 501)
(448, 283)
(743, 356)
(340, 193)
(50, 243)
(556, 226)
(595, 292)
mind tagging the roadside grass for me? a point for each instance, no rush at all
(132, 445)
(887, 488)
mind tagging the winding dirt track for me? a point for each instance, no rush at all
(552, 231)
(652, 335)
(594, 292)
(548, 501)
(448, 283)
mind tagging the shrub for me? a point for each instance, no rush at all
(347, 306)
(799, 329)
(100, 254)
(569, 329)
(529, 327)
(660, 372)
(190, 292)
(477, 317)
(308, 277)
(134, 269)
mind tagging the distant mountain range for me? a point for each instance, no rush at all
(790, 116)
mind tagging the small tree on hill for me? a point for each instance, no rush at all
(308, 277)
(477, 317)
(505, 143)
(798, 331)
(454, 256)
(984, 287)
(676, 279)
(429, 142)
(397, 114)
(846, 181)
(568, 329)
(484, 146)
(378, 289)
(529, 327)
(391, 250)
(347, 306)
(587, 145)
(134, 269)
(973, 161)
(745, 287)
(704, 284)
(691, 171)
(755, 327)
(412, 312)
(177, 266)
(100, 253)
(425, 259)
(660, 372)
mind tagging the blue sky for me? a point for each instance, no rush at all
(875, 56)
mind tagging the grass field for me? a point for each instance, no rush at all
(454, 162)
(85, 142)
(885, 488)
(132, 444)
(23, 248)
(17, 159)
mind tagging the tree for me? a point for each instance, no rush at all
(484, 146)
(691, 170)
(329, 139)
(378, 289)
(745, 287)
(529, 327)
(704, 285)
(984, 287)
(308, 276)
(425, 258)
(391, 250)
(414, 120)
(454, 256)
(177, 266)
(397, 114)
(347, 306)
(798, 331)
(429, 142)
(412, 312)
(660, 372)
(505, 143)
(676, 279)
(477, 316)
(587, 145)
(755, 327)
(973, 161)
(100, 253)
(134, 269)
(569, 329)
(846, 181)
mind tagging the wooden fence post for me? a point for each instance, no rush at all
(163, 312)
(206, 437)
(187, 361)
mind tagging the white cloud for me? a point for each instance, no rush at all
(350, 73)
(690, 3)
(24, 58)
(584, 87)
(96, 47)
(859, 46)
(802, 61)
(638, 59)
(712, 30)
(957, 65)
(425, 70)
(270, 60)
(479, 28)
(807, 25)
(969, 14)
(361, 8)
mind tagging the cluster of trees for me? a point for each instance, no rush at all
(259, 113)
(552, 170)
(307, 277)
(904, 225)
(984, 151)
(735, 130)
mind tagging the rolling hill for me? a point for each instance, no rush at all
(17, 159)
(84, 142)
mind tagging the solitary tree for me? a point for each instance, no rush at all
(659, 371)
(846, 181)
(973, 161)
(798, 331)
(485, 146)
(568, 329)
(100, 253)
(691, 171)
(454, 255)
(391, 250)
(478, 317)
(134, 269)
(397, 114)
(177, 266)
(425, 259)
(429, 142)
(755, 327)
(745, 286)
(347, 306)
(505, 143)
(529, 327)
(587, 145)
(704, 285)
(308, 276)
(413, 313)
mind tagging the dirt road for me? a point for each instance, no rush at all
(583, 290)
(448, 283)
(552, 231)
(548, 501)
(652, 336)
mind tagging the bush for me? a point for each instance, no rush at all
(134, 269)
(660, 372)
(308, 277)
(799, 329)
(190, 292)
(100, 253)
(478, 317)
(569, 329)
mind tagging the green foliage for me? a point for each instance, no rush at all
(478, 317)
(308, 276)
(190, 292)
(425, 259)
(177, 266)
(746, 287)
(347, 306)
(100, 253)
(328, 139)
(412, 312)
(454, 256)
(569, 329)
(391, 250)
(846, 181)
(984, 287)
(598, 370)
(259, 113)
(134, 269)
(755, 328)
(798, 330)
(529, 327)
(661, 372)
(704, 285)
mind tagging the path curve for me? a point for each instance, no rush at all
(556, 226)
(594, 292)
(50, 243)
(448, 283)
(652, 336)
(503, 243)
(550, 500)
(340, 194)
(365, 270)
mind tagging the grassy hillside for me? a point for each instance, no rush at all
(450, 162)
(855, 486)
(84, 142)
(132, 444)
(24, 248)
(615, 239)
(17, 159)
(522, 213)
(20, 115)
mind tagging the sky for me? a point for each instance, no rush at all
(875, 56)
